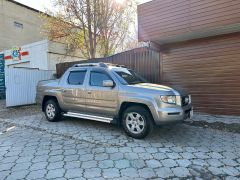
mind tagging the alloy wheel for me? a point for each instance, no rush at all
(135, 122)
(50, 111)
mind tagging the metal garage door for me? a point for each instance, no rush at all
(21, 85)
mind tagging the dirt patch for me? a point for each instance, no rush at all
(234, 127)
(19, 111)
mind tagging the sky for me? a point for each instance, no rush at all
(42, 4)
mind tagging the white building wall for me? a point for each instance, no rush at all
(42, 55)
(37, 57)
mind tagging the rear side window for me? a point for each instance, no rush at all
(97, 78)
(76, 77)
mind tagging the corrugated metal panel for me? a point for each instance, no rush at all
(144, 61)
(21, 85)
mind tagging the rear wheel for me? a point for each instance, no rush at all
(52, 111)
(137, 122)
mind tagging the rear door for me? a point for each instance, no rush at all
(101, 100)
(73, 92)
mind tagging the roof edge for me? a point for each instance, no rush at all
(25, 6)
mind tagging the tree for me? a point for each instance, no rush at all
(95, 27)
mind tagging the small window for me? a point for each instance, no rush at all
(97, 78)
(18, 25)
(76, 77)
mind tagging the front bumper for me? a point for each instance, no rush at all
(173, 115)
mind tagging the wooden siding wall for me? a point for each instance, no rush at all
(159, 19)
(209, 69)
(144, 61)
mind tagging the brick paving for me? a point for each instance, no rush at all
(32, 148)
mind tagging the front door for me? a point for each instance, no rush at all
(101, 100)
(73, 93)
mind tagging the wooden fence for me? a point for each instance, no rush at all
(144, 61)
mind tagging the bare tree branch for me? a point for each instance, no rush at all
(95, 27)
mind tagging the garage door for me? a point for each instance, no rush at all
(209, 69)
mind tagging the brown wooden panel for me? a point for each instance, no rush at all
(207, 68)
(160, 20)
(208, 12)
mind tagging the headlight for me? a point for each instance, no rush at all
(169, 99)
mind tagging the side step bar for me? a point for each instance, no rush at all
(90, 117)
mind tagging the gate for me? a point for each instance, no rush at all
(21, 85)
(2, 78)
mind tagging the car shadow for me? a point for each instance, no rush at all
(177, 133)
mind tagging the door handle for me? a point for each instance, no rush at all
(63, 90)
(89, 92)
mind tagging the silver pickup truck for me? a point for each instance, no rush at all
(112, 94)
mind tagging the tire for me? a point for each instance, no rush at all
(137, 122)
(52, 111)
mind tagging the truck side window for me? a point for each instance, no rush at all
(76, 77)
(97, 78)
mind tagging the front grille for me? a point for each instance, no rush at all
(185, 100)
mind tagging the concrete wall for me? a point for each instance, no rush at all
(57, 53)
(60, 58)
(19, 25)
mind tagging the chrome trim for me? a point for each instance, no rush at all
(87, 116)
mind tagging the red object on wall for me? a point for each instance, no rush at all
(7, 57)
(25, 53)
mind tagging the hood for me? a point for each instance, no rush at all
(155, 87)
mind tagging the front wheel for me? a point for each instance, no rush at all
(137, 122)
(52, 111)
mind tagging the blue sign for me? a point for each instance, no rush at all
(2, 77)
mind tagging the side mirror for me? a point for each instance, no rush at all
(108, 83)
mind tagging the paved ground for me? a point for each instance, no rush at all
(32, 148)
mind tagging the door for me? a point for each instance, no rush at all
(21, 85)
(73, 92)
(101, 100)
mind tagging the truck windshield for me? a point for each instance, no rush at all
(127, 76)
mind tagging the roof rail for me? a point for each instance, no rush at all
(85, 64)
(100, 64)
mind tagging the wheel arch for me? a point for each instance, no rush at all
(126, 105)
(46, 98)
